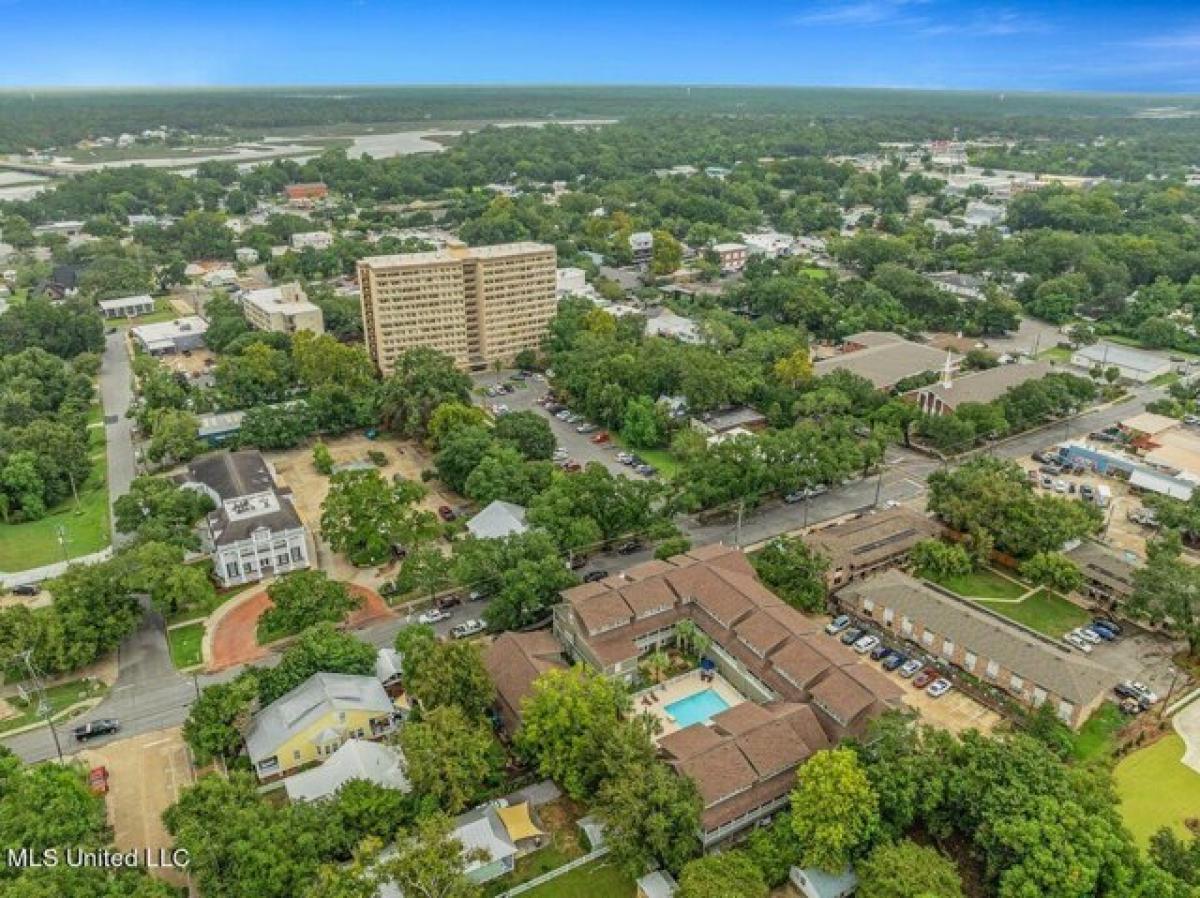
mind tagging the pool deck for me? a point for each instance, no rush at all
(680, 688)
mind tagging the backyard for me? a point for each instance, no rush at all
(185, 644)
(983, 583)
(1097, 737)
(667, 464)
(83, 530)
(601, 879)
(1156, 790)
(1044, 611)
(559, 819)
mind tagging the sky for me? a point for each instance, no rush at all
(1044, 45)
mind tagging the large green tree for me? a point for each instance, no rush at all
(421, 380)
(907, 870)
(731, 874)
(363, 516)
(835, 812)
(452, 759)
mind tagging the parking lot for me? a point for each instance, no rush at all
(145, 776)
(524, 398)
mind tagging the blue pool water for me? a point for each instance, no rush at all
(696, 708)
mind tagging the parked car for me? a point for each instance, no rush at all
(601, 438)
(594, 576)
(838, 624)
(1086, 492)
(105, 726)
(879, 652)
(476, 595)
(624, 458)
(1144, 692)
(1078, 642)
(1104, 633)
(629, 547)
(866, 644)
(433, 616)
(586, 428)
(924, 678)
(851, 636)
(893, 661)
(646, 470)
(451, 601)
(98, 780)
(572, 466)
(1131, 706)
(1087, 635)
(1108, 624)
(561, 454)
(446, 513)
(908, 668)
(1053, 469)
(1047, 482)
(468, 628)
(1060, 486)
(26, 589)
(793, 498)
(939, 687)
(577, 561)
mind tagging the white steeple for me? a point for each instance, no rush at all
(948, 371)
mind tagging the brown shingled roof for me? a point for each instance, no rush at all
(740, 718)
(800, 662)
(648, 596)
(760, 632)
(843, 697)
(773, 748)
(600, 612)
(689, 741)
(515, 660)
(720, 772)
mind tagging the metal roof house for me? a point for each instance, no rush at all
(356, 759)
(498, 520)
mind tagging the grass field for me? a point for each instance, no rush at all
(1043, 611)
(185, 645)
(1156, 790)
(35, 543)
(983, 583)
(597, 880)
(1097, 737)
(667, 464)
(1056, 354)
(59, 697)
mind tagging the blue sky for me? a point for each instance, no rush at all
(1019, 45)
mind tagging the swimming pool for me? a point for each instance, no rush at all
(696, 708)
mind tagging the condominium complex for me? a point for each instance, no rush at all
(478, 305)
(284, 309)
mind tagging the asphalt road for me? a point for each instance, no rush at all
(150, 695)
(116, 394)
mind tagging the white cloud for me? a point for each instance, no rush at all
(1179, 40)
(859, 12)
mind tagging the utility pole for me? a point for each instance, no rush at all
(44, 709)
(61, 532)
(878, 485)
(737, 537)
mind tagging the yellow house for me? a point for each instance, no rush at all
(311, 722)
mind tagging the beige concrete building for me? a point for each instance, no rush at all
(284, 309)
(477, 304)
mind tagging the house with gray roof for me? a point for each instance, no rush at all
(882, 358)
(498, 520)
(310, 723)
(254, 532)
(1133, 364)
(1107, 574)
(1031, 668)
(356, 759)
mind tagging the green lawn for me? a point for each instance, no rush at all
(185, 645)
(59, 697)
(1056, 354)
(1097, 737)
(597, 880)
(162, 312)
(1156, 790)
(33, 544)
(1043, 611)
(984, 583)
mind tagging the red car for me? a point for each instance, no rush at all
(446, 512)
(572, 466)
(924, 678)
(98, 780)
(601, 437)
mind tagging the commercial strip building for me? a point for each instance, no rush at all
(126, 307)
(883, 358)
(982, 386)
(283, 310)
(168, 337)
(1029, 667)
(870, 543)
(478, 305)
(1134, 364)
(802, 691)
(1161, 467)
(254, 531)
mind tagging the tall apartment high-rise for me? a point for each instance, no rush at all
(476, 304)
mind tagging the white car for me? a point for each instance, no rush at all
(1060, 486)
(1079, 642)
(561, 454)
(910, 667)
(1145, 692)
(866, 644)
(468, 628)
(1087, 635)
(624, 458)
(433, 616)
(938, 688)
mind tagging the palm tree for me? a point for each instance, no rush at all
(701, 642)
(685, 633)
(657, 663)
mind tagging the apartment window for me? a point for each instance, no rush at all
(969, 660)
(282, 559)
(296, 755)
(992, 670)
(1016, 683)
(868, 605)
(927, 638)
(888, 614)
(231, 569)
(296, 554)
(247, 568)
(948, 648)
(1065, 710)
(1039, 696)
(906, 627)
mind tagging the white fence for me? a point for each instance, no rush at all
(555, 873)
(49, 571)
